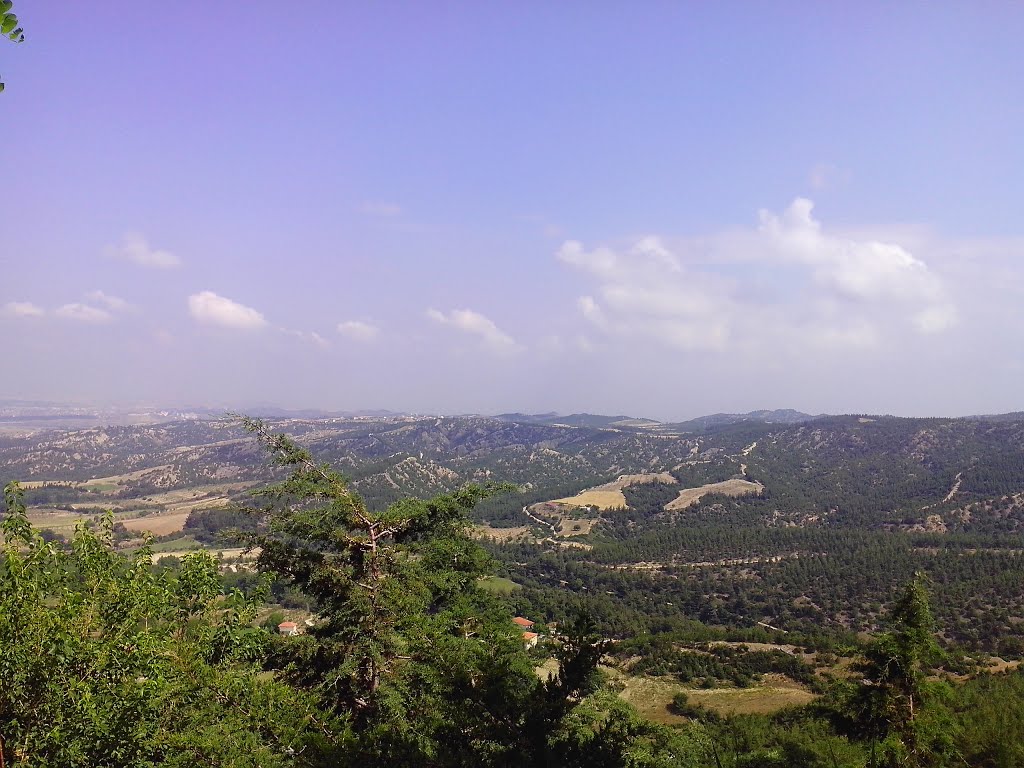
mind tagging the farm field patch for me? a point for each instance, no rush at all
(690, 496)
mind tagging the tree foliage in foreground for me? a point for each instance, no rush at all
(898, 709)
(9, 27)
(423, 665)
(108, 662)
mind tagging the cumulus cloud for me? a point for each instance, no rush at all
(645, 291)
(23, 309)
(212, 309)
(475, 324)
(112, 303)
(83, 313)
(866, 270)
(134, 248)
(786, 282)
(357, 330)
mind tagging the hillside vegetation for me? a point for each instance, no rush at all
(740, 569)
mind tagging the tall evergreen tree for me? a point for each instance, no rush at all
(424, 665)
(898, 709)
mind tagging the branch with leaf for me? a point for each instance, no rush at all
(9, 27)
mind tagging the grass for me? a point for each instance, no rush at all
(761, 699)
(652, 696)
(158, 524)
(576, 527)
(499, 585)
(58, 522)
(592, 498)
(184, 544)
(99, 486)
(609, 495)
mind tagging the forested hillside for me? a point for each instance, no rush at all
(734, 571)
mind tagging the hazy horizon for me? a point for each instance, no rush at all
(261, 408)
(663, 211)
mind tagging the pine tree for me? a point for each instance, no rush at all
(897, 708)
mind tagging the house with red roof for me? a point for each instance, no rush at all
(288, 628)
(523, 624)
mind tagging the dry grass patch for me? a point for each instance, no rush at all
(58, 522)
(158, 524)
(758, 700)
(573, 527)
(689, 496)
(652, 696)
(609, 495)
(612, 499)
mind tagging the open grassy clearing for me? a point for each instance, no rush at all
(58, 522)
(689, 496)
(763, 699)
(608, 499)
(499, 585)
(188, 496)
(159, 524)
(609, 495)
(177, 506)
(576, 527)
(652, 696)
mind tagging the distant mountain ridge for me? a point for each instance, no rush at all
(700, 424)
(778, 416)
(593, 420)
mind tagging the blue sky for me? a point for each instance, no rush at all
(661, 209)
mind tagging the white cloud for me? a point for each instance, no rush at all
(380, 208)
(136, 249)
(475, 324)
(208, 307)
(865, 270)
(112, 303)
(23, 309)
(645, 291)
(357, 330)
(787, 283)
(83, 313)
(311, 337)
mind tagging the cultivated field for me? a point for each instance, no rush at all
(690, 496)
(609, 495)
(159, 524)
